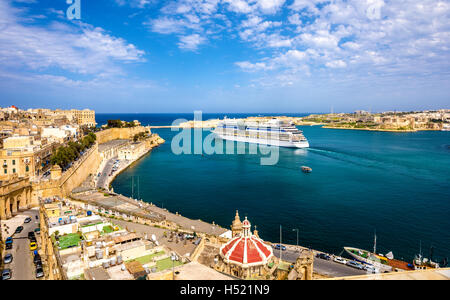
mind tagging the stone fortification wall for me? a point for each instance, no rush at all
(119, 133)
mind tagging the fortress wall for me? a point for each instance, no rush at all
(119, 133)
(70, 179)
(90, 162)
(77, 174)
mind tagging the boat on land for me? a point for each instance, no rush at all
(274, 132)
(385, 263)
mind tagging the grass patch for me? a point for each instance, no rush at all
(284, 266)
(108, 229)
(69, 240)
(165, 264)
(94, 224)
(148, 258)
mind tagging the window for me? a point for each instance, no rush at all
(6, 171)
(14, 162)
(27, 169)
(14, 171)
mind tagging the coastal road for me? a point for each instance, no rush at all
(104, 174)
(179, 247)
(323, 267)
(22, 266)
(103, 180)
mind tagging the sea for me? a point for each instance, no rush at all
(364, 183)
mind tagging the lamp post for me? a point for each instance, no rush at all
(174, 258)
(281, 245)
(297, 230)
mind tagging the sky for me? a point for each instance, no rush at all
(291, 56)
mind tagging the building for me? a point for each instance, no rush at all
(25, 157)
(246, 255)
(132, 151)
(84, 117)
(15, 195)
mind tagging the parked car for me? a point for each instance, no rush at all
(340, 260)
(27, 220)
(37, 259)
(355, 265)
(6, 274)
(33, 239)
(323, 256)
(39, 272)
(38, 264)
(33, 246)
(19, 229)
(372, 269)
(9, 241)
(278, 247)
(8, 258)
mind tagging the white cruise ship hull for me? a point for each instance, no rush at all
(287, 144)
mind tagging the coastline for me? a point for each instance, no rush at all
(374, 129)
(110, 179)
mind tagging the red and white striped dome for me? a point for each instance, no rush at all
(246, 250)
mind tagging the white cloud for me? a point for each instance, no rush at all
(191, 42)
(80, 49)
(238, 6)
(336, 64)
(270, 6)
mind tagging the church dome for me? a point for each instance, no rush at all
(246, 250)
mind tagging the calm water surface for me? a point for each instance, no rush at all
(395, 183)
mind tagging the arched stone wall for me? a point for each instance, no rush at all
(15, 196)
(7, 208)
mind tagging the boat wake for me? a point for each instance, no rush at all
(389, 165)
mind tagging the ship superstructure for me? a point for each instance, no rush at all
(273, 132)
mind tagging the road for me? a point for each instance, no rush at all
(180, 248)
(321, 266)
(22, 266)
(103, 180)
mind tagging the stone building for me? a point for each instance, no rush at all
(132, 151)
(303, 267)
(28, 160)
(15, 195)
(84, 117)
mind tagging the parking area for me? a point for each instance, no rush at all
(21, 266)
(323, 267)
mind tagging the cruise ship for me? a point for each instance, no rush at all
(273, 132)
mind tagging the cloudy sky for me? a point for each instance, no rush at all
(226, 55)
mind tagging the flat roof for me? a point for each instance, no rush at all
(96, 274)
(197, 271)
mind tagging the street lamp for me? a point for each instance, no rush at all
(173, 257)
(296, 229)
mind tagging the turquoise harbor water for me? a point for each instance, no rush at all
(395, 183)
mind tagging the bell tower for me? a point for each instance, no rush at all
(236, 226)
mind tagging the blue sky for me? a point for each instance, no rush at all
(226, 55)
